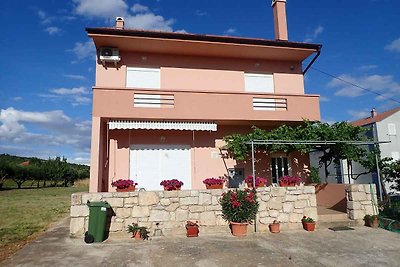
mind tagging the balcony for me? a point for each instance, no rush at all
(164, 104)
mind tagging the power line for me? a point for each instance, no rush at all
(356, 85)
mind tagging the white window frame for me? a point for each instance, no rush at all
(259, 82)
(147, 83)
(391, 129)
(281, 160)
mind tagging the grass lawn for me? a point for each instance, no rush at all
(24, 213)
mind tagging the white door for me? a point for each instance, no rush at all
(150, 164)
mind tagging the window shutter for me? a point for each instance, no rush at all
(143, 77)
(259, 83)
(391, 129)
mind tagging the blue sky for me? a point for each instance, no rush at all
(47, 68)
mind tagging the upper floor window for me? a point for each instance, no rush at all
(143, 77)
(391, 129)
(259, 83)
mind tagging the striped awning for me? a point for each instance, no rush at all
(162, 125)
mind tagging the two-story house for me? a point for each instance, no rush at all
(164, 103)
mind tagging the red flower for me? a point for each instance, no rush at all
(235, 204)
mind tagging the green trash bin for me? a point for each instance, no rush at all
(97, 221)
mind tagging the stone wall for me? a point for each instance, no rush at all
(165, 212)
(359, 200)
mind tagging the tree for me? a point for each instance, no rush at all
(5, 171)
(19, 174)
(390, 171)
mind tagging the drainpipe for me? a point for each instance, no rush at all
(313, 60)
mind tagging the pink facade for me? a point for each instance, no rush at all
(193, 79)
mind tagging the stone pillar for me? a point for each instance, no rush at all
(360, 201)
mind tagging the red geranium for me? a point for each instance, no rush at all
(123, 183)
(170, 185)
(290, 180)
(259, 180)
(214, 181)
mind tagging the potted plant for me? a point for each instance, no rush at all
(289, 180)
(260, 181)
(275, 227)
(192, 229)
(138, 232)
(124, 185)
(239, 208)
(308, 223)
(170, 185)
(371, 221)
(214, 183)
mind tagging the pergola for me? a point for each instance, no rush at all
(254, 143)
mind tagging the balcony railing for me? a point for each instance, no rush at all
(203, 105)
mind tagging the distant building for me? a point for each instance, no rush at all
(383, 126)
(380, 127)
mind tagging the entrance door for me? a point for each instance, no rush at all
(150, 164)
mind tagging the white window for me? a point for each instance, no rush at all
(279, 168)
(391, 129)
(395, 155)
(260, 83)
(143, 77)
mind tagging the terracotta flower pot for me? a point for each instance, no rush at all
(275, 227)
(239, 229)
(131, 188)
(310, 227)
(171, 189)
(374, 223)
(214, 186)
(250, 185)
(192, 231)
(137, 236)
(281, 183)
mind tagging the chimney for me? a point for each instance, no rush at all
(119, 22)
(280, 25)
(373, 113)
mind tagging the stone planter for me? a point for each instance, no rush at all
(192, 231)
(275, 227)
(239, 229)
(127, 189)
(309, 227)
(214, 186)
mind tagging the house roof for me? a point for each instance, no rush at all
(25, 163)
(201, 37)
(187, 44)
(377, 118)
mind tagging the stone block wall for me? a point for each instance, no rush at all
(166, 212)
(359, 200)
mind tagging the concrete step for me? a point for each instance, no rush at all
(349, 223)
(334, 217)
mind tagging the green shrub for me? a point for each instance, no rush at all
(239, 206)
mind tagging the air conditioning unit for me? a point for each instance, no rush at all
(109, 54)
